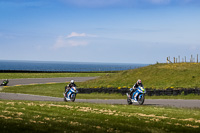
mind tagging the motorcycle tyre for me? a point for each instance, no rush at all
(129, 101)
(73, 97)
(141, 101)
(65, 100)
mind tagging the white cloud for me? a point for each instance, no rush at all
(63, 42)
(74, 34)
(74, 39)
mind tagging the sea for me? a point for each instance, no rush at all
(58, 66)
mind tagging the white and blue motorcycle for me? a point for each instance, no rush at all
(70, 95)
(137, 96)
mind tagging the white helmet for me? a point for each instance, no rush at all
(72, 81)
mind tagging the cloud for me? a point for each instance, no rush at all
(62, 42)
(74, 39)
(74, 34)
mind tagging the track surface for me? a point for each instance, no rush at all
(153, 102)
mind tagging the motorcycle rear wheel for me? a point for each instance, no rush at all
(65, 100)
(129, 101)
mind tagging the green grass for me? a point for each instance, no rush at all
(158, 76)
(26, 116)
(57, 89)
(48, 75)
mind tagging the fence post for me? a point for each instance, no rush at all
(197, 59)
(185, 58)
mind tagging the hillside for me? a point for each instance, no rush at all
(162, 76)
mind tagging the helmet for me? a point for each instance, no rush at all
(139, 82)
(72, 81)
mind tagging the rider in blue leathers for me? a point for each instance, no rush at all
(134, 88)
(68, 87)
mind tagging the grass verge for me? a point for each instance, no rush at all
(26, 116)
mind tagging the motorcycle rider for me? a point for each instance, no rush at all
(5, 82)
(67, 88)
(134, 88)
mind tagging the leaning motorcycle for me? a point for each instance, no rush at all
(140, 96)
(72, 94)
(4, 83)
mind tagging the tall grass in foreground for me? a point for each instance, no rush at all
(26, 116)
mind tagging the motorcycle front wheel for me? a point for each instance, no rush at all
(141, 99)
(73, 97)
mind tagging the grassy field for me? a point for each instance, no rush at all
(158, 76)
(48, 75)
(57, 89)
(26, 116)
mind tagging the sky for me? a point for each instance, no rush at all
(108, 31)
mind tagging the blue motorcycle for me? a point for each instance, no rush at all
(137, 96)
(70, 95)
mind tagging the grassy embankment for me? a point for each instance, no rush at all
(26, 116)
(158, 76)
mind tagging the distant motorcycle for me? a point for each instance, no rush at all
(140, 96)
(4, 83)
(70, 95)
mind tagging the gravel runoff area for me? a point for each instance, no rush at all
(13, 82)
(152, 102)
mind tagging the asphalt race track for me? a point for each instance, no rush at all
(152, 102)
